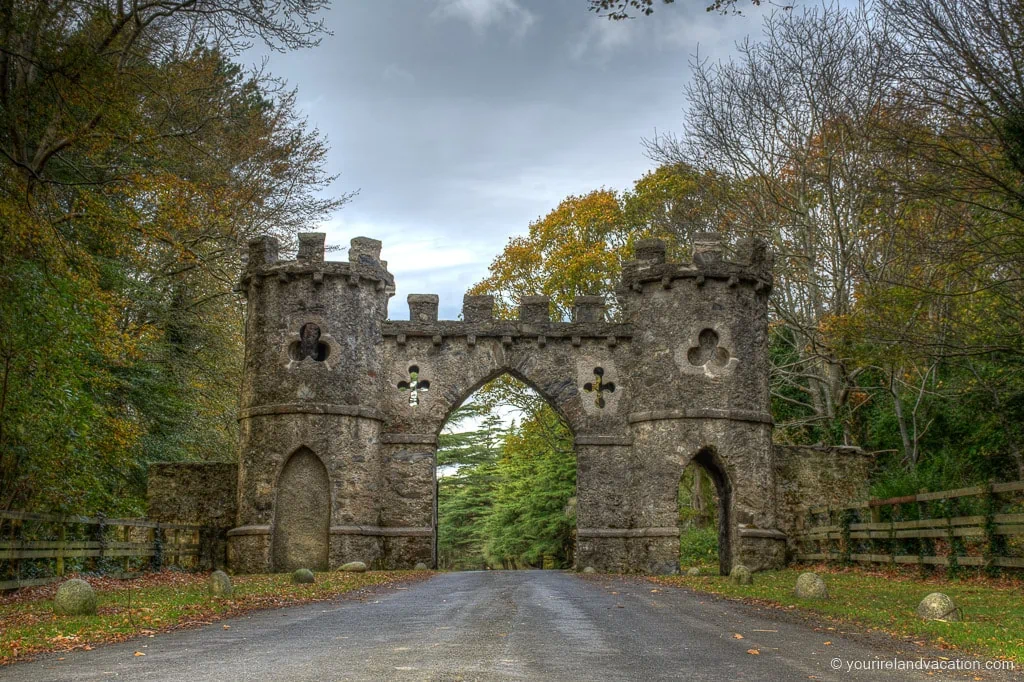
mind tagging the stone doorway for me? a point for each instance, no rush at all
(715, 499)
(302, 515)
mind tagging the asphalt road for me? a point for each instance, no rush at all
(526, 625)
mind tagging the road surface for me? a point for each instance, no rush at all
(496, 625)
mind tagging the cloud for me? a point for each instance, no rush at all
(422, 259)
(397, 74)
(602, 37)
(482, 14)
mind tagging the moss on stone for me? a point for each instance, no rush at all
(75, 597)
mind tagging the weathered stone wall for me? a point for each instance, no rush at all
(203, 493)
(815, 476)
(196, 493)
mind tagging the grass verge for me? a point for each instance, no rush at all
(159, 602)
(886, 601)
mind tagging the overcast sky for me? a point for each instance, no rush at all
(461, 121)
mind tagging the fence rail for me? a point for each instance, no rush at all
(981, 526)
(36, 548)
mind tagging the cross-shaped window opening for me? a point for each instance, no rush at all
(414, 385)
(599, 386)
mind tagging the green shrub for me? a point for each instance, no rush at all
(698, 546)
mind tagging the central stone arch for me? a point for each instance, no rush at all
(466, 393)
(556, 366)
(680, 374)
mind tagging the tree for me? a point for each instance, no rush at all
(135, 159)
(617, 10)
(467, 480)
(790, 122)
(578, 248)
(504, 494)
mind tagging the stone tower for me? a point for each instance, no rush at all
(308, 404)
(700, 390)
(341, 408)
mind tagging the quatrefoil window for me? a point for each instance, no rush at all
(309, 344)
(414, 385)
(599, 386)
(707, 351)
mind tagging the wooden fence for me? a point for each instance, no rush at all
(36, 549)
(981, 526)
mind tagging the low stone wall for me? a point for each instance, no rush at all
(200, 493)
(815, 476)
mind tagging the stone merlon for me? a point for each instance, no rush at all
(535, 309)
(422, 307)
(752, 267)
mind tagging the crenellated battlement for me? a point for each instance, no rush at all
(752, 265)
(364, 263)
(534, 321)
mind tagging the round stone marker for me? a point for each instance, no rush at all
(693, 571)
(810, 586)
(938, 606)
(589, 569)
(303, 575)
(75, 597)
(421, 567)
(354, 567)
(220, 585)
(741, 575)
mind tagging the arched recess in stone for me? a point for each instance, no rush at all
(558, 401)
(302, 514)
(709, 460)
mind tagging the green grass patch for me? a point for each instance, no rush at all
(993, 623)
(160, 602)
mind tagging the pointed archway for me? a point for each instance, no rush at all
(505, 481)
(302, 514)
(706, 461)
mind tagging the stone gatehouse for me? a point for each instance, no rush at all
(341, 408)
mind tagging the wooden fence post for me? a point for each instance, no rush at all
(876, 517)
(101, 537)
(126, 534)
(154, 537)
(61, 536)
(17, 534)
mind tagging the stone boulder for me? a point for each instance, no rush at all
(693, 571)
(75, 597)
(938, 606)
(220, 585)
(303, 575)
(421, 567)
(810, 586)
(353, 567)
(741, 575)
(589, 569)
